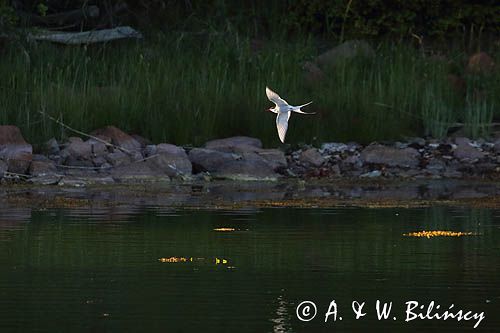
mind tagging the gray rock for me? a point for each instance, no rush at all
(171, 160)
(235, 144)
(378, 154)
(311, 157)
(496, 146)
(77, 162)
(150, 150)
(97, 148)
(465, 151)
(246, 169)
(436, 165)
(209, 159)
(344, 51)
(117, 158)
(76, 149)
(51, 147)
(118, 138)
(333, 147)
(138, 172)
(3, 167)
(275, 157)
(45, 179)
(99, 161)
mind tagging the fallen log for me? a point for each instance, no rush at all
(87, 37)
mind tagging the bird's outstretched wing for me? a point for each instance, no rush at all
(275, 98)
(282, 124)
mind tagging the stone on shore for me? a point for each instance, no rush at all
(311, 157)
(3, 168)
(14, 150)
(42, 166)
(465, 151)
(137, 172)
(379, 154)
(250, 168)
(118, 138)
(236, 144)
(171, 160)
(208, 159)
(275, 157)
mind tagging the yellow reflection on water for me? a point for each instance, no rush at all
(224, 229)
(216, 261)
(438, 233)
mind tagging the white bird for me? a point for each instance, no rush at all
(283, 111)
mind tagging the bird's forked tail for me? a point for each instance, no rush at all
(298, 109)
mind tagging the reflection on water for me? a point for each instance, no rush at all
(159, 270)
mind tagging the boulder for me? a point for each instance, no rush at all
(51, 147)
(77, 149)
(138, 172)
(97, 148)
(275, 157)
(14, 150)
(235, 144)
(42, 166)
(465, 151)
(379, 154)
(3, 168)
(346, 50)
(171, 160)
(118, 138)
(311, 157)
(208, 159)
(117, 158)
(246, 169)
(480, 63)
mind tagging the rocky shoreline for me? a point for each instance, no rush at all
(111, 156)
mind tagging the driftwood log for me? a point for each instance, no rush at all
(87, 37)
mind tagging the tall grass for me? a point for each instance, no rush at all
(188, 88)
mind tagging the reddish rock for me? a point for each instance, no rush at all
(14, 150)
(42, 167)
(480, 63)
(236, 144)
(118, 137)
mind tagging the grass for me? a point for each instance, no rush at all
(188, 88)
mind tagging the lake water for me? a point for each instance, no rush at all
(151, 269)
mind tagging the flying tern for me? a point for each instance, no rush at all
(283, 111)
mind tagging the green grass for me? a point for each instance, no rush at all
(187, 89)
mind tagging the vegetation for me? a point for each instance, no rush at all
(206, 79)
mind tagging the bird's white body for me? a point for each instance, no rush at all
(283, 111)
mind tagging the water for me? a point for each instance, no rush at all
(101, 270)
